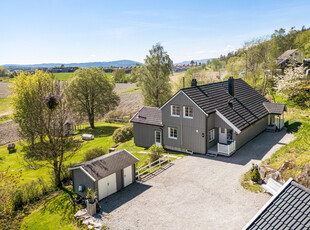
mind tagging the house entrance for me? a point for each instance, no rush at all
(223, 135)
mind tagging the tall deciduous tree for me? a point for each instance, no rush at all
(41, 110)
(154, 77)
(91, 94)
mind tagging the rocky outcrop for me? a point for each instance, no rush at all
(304, 177)
(267, 172)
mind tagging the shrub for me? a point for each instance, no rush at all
(255, 176)
(156, 152)
(30, 192)
(93, 153)
(123, 134)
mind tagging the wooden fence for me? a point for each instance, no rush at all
(148, 168)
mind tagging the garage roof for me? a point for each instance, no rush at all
(148, 115)
(107, 164)
(289, 209)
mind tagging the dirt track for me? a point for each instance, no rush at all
(4, 90)
(8, 133)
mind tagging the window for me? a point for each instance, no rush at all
(188, 111)
(211, 135)
(175, 110)
(172, 133)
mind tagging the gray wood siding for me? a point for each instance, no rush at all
(79, 177)
(144, 135)
(189, 130)
(250, 132)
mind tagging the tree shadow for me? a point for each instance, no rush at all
(62, 204)
(292, 128)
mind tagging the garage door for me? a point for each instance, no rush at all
(107, 186)
(127, 175)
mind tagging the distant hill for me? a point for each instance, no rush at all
(198, 61)
(118, 63)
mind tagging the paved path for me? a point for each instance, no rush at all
(196, 192)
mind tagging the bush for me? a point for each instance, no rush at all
(119, 76)
(30, 192)
(93, 153)
(156, 152)
(123, 134)
(255, 176)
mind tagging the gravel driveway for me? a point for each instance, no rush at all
(196, 192)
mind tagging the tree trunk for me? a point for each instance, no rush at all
(91, 119)
(57, 175)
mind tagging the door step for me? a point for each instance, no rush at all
(211, 154)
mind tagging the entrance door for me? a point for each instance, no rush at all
(223, 135)
(127, 176)
(158, 137)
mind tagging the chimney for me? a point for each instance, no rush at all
(231, 86)
(194, 83)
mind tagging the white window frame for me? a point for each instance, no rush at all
(187, 107)
(158, 143)
(171, 111)
(211, 135)
(169, 132)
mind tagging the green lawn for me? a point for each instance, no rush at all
(62, 76)
(56, 213)
(4, 104)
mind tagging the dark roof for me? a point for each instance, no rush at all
(290, 209)
(148, 115)
(107, 164)
(242, 110)
(275, 108)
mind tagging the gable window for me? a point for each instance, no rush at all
(175, 110)
(172, 133)
(211, 135)
(188, 111)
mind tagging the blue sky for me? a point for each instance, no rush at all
(84, 31)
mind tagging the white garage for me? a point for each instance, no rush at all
(106, 174)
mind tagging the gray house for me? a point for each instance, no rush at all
(106, 174)
(216, 118)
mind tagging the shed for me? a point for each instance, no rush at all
(106, 174)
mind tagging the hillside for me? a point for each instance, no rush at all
(118, 63)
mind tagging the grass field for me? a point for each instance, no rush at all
(55, 213)
(4, 105)
(62, 76)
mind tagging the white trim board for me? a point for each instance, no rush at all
(228, 122)
(267, 204)
(181, 91)
(87, 174)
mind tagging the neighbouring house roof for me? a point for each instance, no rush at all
(285, 56)
(288, 209)
(275, 108)
(242, 110)
(148, 115)
(107, 164)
